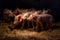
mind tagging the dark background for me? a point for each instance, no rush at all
(54, 5)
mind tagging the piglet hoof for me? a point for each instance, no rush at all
(11, 27)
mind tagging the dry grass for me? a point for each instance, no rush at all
(6, 34)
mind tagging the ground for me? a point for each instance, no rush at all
(6, 34)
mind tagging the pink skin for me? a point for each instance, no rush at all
(17, 19)
(44, 15)
(8, 14)
(31, 16)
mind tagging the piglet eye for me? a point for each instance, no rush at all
(19, 17)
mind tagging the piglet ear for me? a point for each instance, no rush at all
(46, 11)
(5, 10)
(39, 11)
